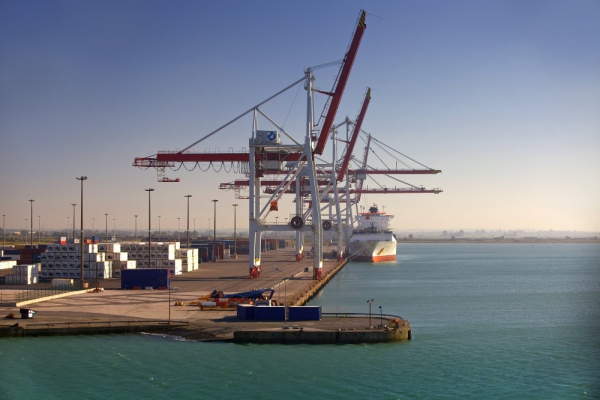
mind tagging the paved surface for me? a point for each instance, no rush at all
(229, 276)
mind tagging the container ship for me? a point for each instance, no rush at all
(373, 241)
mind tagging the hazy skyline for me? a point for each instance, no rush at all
(502, 96)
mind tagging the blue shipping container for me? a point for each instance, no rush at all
(145, 277)
(245, 312)
(266, 313)
(304, 313)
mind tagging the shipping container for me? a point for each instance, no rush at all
(245, 312)
(304, 313)
(145, 277)
(265, 313)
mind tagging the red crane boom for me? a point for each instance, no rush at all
(336, 96)
(355, 133)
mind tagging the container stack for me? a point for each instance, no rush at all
(189, 259)
(64, 261)
(163, 255)
(23, 274)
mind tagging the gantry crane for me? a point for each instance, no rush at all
(267, 154)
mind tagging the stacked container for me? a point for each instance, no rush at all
(23, 274)
(64, 261)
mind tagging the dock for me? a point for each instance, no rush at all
(176, 311)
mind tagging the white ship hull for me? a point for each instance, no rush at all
(373, 247)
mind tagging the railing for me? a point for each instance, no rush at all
(38, 292)
(91, 324)
(361, 315)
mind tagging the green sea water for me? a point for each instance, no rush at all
(488, 321)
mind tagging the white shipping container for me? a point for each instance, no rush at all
(62, 282)
(169, 248)
(7, 264)
(97, 257)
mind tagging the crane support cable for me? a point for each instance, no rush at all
(391, 155)
(398, 180)
(243, 114)
(403, 155)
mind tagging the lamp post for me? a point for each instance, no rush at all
(235, 231)
(276, 237)
(135, 236)
(150, 190)
(73, 204)
(215, 230)
(369, 302)
(178, 229)
(106, 227)
(381, 313)
(188, 219)
(31, 220)
(82, 178)
(285, 298)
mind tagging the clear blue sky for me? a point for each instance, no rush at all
(502, 96)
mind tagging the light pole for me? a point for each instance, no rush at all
(235, 231)
(135, 228)
(381, 313)
(150, 190)
(369, 302)
(215, 230)
(81, 178)
(31, 220)
(188, 219)
(106, 227)
(285, 298)
(159, 228)
(73, 204)
(276, 236)
(178, 229)
(114, 230)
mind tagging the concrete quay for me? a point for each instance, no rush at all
(118, 311)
